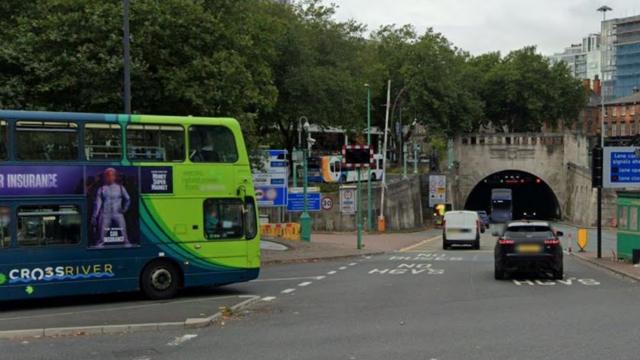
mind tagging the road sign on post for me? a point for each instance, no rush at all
(296, 198)
(348, 199)
(357, 157)
(272, 180)
(620, 167)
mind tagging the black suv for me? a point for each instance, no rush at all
(528, 246)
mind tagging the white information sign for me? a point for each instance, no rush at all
(348, 199)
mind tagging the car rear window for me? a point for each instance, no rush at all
(528, 231)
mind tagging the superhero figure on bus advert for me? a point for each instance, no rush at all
(111, 203)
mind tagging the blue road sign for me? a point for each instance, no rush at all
(621, 167)
(271, 181)
(296, 202)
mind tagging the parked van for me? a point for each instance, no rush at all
(461, 227)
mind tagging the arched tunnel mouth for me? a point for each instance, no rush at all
(532, 197)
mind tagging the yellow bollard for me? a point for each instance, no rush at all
(583, 239)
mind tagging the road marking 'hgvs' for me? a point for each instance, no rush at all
(566, 282)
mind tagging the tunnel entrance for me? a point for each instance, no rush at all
(532, 197)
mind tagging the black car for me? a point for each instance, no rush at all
(528, 246)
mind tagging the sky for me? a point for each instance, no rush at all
(480, 26)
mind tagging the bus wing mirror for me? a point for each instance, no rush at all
(495, 233)
(559, 233)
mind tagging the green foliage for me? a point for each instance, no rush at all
(267, 65)
(523, 91)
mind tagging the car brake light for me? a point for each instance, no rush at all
(552, 242)
(506, 242)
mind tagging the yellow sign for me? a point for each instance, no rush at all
(583, 239)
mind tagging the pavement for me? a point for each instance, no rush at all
(608, 260)
(324, 246)
(420, 303)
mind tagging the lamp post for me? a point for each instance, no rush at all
(127, 58)
(305, 218)
(603, 9)
(369, 200)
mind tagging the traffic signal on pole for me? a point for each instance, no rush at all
(596, 167)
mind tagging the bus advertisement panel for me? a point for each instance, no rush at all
(112, 197)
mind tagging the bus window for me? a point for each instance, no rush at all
(155, 142)
(251, 226)
(5, 229)
(212, 144)
(223, 219)
(102, 142)
(46, 141)
(3, 140)
(42, 225)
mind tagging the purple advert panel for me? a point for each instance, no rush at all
(25, 180)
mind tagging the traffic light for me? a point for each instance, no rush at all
(596, 167)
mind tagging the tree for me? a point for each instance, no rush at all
(318, 72)
(524, 91)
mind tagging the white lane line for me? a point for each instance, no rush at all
(287, 279)
(353, 264)
(424, 242)
(320, 277)
(268, 298)
(367, 257)
(182, 339)
(306, 283)
(331, 272)
(342, 268)
(288, 291)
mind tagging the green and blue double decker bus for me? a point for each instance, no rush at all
(101, 203)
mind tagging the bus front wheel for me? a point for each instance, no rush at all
(160, 280)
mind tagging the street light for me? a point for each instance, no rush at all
(603, 9)
(305, 218)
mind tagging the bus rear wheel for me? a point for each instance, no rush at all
(160, 280)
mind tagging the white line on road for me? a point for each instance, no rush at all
(353, 264)
(342, 268)
(288, 291)
(306, 283)
(181, 339)
(320, 277)
(411, 247)
(268, 298)
(331, 272)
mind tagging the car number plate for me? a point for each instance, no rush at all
(529, 248)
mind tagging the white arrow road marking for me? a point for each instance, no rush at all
(182, 339)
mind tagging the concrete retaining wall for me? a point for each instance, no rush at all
(581, 203)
